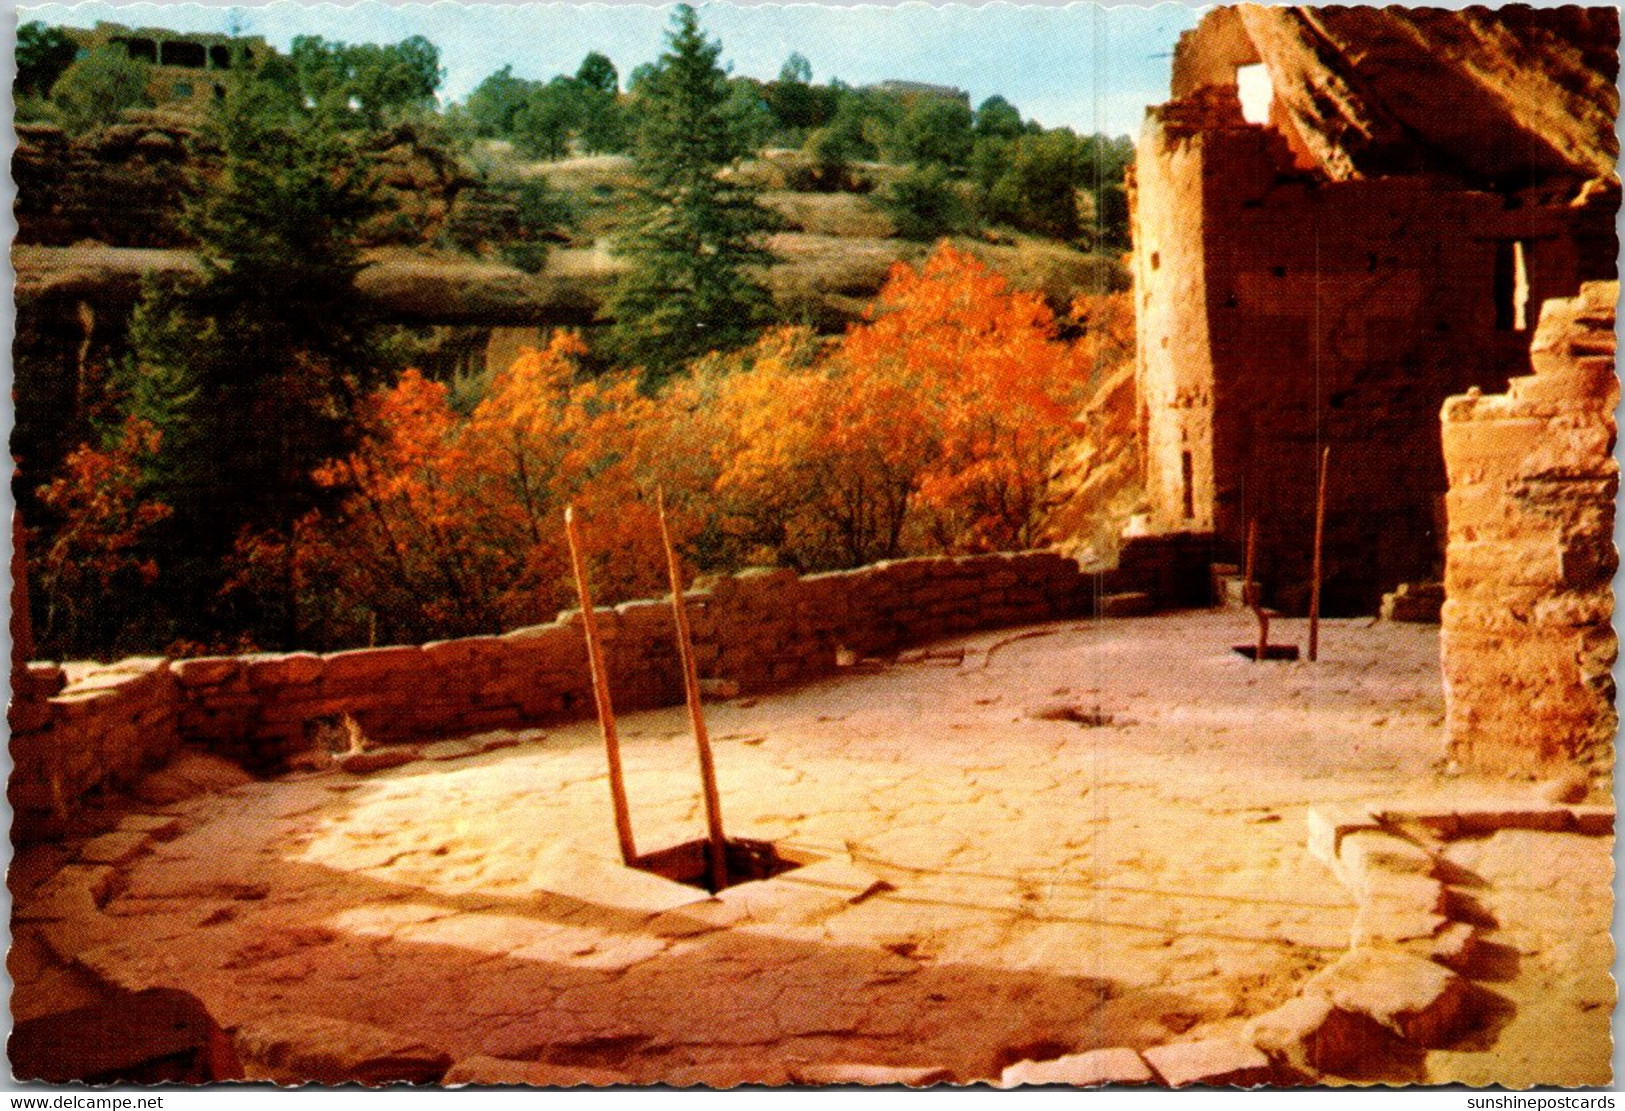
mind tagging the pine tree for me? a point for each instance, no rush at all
(251, 372)
(689, 289)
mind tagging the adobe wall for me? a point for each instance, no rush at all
(1526, 644)
(84, 727)
(1281, 312)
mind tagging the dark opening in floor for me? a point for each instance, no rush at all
(687, 863)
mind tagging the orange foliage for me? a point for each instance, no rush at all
(452, 526)
(95, 550)
(930, 427)
(993, 392)
(1106, 321)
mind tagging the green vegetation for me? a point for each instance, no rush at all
(93, 91)
(550, 119)
(249, 374)
(694, 233)
(208, 488)
(366, 85)
(43, 55)
(926, 204)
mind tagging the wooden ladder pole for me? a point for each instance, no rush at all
(600, 694)
(1315, 572)
(1253, 594)
(717, 844)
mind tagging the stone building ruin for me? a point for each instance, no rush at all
(1527, 646)
(1342, 217)
(185, 68)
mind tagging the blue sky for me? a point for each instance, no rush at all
(1091, 67)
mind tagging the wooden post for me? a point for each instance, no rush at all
(1252, 594)
(1314, 574)
(717, 843)
(600, 694)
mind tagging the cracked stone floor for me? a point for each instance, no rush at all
(983, 883)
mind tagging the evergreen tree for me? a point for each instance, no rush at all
(689, 289)
(603, 125)
(598, 72)
(997, 118)
(250, 372)
(43, 54)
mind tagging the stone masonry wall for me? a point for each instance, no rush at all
(1526, 642)
(79, 728)
(106, 727)
(1281, 312)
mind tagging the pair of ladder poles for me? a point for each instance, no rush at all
(1252, 592)
(716, 843)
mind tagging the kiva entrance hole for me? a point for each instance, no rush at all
(747, 860)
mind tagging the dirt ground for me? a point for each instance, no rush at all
(1063, 837)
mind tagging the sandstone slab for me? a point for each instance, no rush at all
(870, 1076)
(76, 891)
(1314, 1035)
(1364, 855)
(1212, 1062)
(1093, 1069)
(115, 848)
(327, 1050)
(147, 1037)
(1456, 947)
(1422, 1001)
(1328, 825)
(1392, 921)
(567, 870)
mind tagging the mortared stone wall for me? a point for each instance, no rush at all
(81, 727)
(1527, 645)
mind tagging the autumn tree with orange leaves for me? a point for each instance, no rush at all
(930, 427)
(452, 525)
(93, 572)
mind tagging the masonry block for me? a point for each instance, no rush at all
(1093, 1069)
(1422, 1001)
(1214, 1062)
(1312, 1034)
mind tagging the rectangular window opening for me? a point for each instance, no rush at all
(1187, 473)
(1256, 92)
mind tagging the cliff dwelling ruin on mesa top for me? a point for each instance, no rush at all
(1280, 753)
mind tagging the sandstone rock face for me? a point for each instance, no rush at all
(121, 185)
(1097, 483)
(1494, 96)
(315, 1048)
(124, 185)
(1327, 278)
(418, 182)
(1527, 644)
